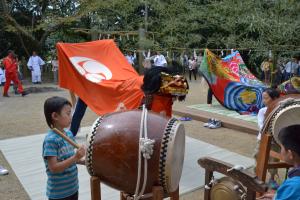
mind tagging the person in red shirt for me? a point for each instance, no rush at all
(11, 68)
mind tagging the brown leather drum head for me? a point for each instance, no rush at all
(175, 156)
(225, 189)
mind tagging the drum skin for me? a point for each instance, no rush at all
(113, 150)
(281, 113)
(276, 102)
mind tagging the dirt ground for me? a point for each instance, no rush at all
(23, 116)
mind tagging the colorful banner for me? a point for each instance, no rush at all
(233, 85)
(100, 75)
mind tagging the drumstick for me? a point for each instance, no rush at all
(61, 134)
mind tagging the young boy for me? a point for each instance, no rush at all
(289, 138)
(59, 157)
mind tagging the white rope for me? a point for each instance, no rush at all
(145, 148)
(139, 158)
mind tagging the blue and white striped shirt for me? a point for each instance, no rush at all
(62, 184)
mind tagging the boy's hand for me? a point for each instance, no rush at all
(81, 161)
(267, 196)
(80, 153)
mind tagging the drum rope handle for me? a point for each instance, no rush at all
(139, 159)
(145, 148)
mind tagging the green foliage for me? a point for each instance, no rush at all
(252, 24)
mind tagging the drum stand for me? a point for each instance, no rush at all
(263, 156)
(247, 179)
(157, 191)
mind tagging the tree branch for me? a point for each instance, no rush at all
(3, 6)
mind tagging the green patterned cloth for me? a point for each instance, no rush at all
(218, 109)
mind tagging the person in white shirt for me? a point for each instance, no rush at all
(130, 58)
(54, 64)
(291, 68)
(192, 68)
(2, 74)
(268, 96)
(159, 60)
(34, 64)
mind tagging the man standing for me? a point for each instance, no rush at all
(159, 60)
(291, 69)
(11, 67)
(131, 58)
(34, 64)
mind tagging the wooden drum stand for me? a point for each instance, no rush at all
(248, 180)
(277, 115)
(157, 191)
(263, 156)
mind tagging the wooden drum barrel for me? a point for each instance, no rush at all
(113, 145)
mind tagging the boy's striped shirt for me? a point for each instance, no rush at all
(63, 184)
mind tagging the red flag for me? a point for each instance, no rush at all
(100, 75)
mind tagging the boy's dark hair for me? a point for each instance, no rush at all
(273, 93)
(289, 137)
(54, 104)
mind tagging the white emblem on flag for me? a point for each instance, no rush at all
(92, 70)
(121, 107)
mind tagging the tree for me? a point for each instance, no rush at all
(32, 21)
(258, 25)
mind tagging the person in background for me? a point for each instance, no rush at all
(159, 60)
(54, 64)
(78, 114)
(34, 64)
(291, 68)
(2, 74)
(11, 67)
(266, 67)
(268, 96)
(192, 68)
(209, 96)
(19, 73)
(276, 74)
(131, 58)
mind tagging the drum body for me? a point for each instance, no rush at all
(227, 188)
(113, 145)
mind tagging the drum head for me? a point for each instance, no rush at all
(174, 144)
(287, 116)
(283, 112)
(89, 140)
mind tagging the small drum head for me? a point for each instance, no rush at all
(287, 116)
(227, 189)
(283, 112)
(175, 156)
